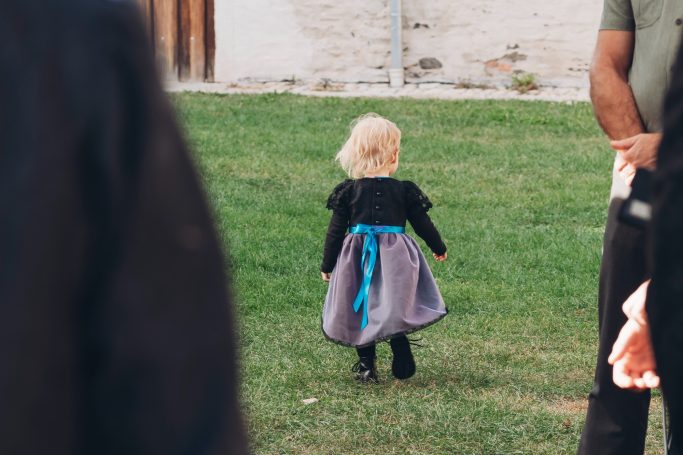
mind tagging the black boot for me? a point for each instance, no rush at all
(403, 365)
(365, 370)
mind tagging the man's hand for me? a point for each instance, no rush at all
(627, 171)
(326, 276)
(633, 358)
(634, 306)
(632, 355)
(639, 150)
(441, 258)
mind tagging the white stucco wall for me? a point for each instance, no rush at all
(485, 41)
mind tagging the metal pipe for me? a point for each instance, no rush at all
(396, 76)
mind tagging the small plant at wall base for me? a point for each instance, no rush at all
(524, 82)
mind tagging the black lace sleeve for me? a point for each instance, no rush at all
(339, 198)
(416, 201)
(338, 202)
(417, 206)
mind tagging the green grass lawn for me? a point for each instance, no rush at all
(520, 194)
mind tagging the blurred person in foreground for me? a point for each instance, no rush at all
(116, 328)
(649, 349)
(631, 70)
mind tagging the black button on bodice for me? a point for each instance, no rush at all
(377, 207)
(679, 21)
(379, 194)
(378, 222)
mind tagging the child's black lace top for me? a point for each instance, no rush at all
(378, 201)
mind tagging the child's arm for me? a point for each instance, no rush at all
(333, 241)
(338, 203)
(426, 230)
(417, 205)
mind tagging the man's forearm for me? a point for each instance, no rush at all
(614, 105)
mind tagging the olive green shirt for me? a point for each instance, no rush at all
(658, 27)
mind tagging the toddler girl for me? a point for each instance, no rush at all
(381, 288)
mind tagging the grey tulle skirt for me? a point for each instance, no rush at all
(403, 296)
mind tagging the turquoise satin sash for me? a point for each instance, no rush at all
(369, 246)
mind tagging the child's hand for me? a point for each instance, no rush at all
(441, 258)
(325, 276)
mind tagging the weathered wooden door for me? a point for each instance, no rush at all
(182, 34)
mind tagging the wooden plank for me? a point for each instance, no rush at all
(210, 41)
(192, 63)
(165, 14)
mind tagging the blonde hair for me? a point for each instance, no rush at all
(372, 143)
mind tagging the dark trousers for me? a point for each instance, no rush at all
(616, 421)
(369, 351)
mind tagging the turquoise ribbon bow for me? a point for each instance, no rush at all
(369, 246)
